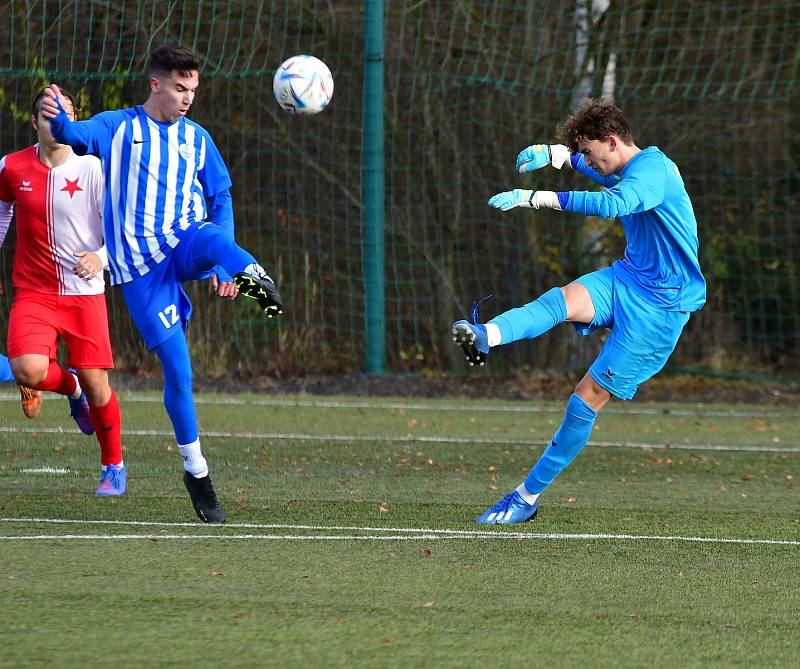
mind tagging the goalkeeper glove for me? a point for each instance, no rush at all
(538, 155)
(525, 198)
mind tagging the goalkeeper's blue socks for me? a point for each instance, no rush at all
(531, 320)
(569, 440)
(5, 369)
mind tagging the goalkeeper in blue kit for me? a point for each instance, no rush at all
(645, 298)
(168, 219)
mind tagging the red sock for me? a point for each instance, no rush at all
(107, 423)
(58, 380)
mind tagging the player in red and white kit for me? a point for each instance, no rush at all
(59, 287)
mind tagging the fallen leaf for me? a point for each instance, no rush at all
(336, 621)
(217, 573)
(382, 508)
(427, 605)
(386, 640)
(426, 552)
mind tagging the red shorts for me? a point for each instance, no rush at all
(37, 319)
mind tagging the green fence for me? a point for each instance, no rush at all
(467, 85)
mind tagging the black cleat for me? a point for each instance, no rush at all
(472, 337)
(204, 498)
(262, 289)
(473, 341)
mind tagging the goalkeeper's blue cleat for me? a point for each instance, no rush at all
(79, 410)
(472, 337)
(511, 509)
(113, 482)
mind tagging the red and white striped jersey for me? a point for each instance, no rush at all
(58, 212)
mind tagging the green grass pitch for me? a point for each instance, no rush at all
(672, 541)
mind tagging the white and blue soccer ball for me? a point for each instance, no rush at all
(303, 85)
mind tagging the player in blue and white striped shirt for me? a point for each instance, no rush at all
(168, 218)
(644, 298)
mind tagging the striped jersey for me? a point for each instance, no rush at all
(58, 212)
(158, 177)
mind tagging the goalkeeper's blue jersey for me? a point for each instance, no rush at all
(649, 197)
(158, 176)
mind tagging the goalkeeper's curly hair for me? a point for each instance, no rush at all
(596, 120)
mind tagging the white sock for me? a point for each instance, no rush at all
(78, 392)
(119, 465)
(254, 269)
(193, 460)
(493, 334)
(528, 497)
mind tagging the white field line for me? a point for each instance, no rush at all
(399, 534)
(46, 470)
(413, 439)
(467, 406)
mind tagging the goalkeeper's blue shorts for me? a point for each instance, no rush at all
(642, 336)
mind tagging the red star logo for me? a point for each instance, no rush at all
(71, 186)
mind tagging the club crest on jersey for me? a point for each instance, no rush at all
(186, 151)
(26, 186)
(71, 186)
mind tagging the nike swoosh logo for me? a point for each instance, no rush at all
(140, 141)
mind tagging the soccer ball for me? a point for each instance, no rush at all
(303, 85)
